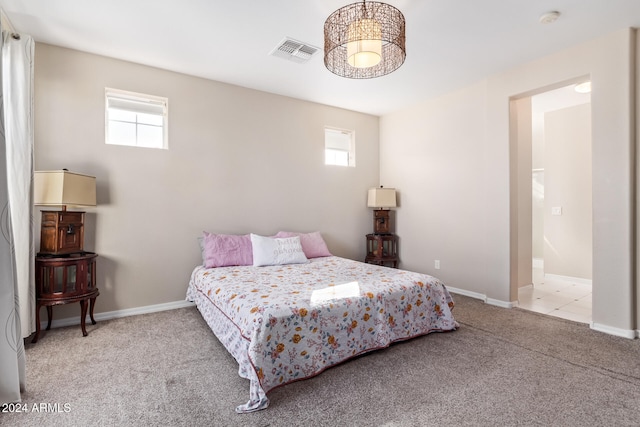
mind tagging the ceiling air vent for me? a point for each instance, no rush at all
(294, 50)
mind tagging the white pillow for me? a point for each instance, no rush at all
(270, 251)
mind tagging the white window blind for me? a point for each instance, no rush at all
(135, 119)
(339, 147)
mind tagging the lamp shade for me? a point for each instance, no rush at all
(381, 198)
(364, 40)
(62, 188)
(365, 46)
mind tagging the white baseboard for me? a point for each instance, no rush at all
(624, 333)
(500, 303)
(483, 297)
(466, 293)
(578, 280)
(72, 321)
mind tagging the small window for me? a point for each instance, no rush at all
(339, 147)
(135, 119)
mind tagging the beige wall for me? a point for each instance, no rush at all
(567, 237)
(537, 178)
(521, 207)
(450, 159)
(637, 182)
(435, 155)
(238, 161)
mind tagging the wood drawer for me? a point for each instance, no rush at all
(61, 217)
(61, 232)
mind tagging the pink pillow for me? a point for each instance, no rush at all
(221, 250)
(313, 244)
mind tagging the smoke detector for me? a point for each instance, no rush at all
(549, 17)
(294, 50)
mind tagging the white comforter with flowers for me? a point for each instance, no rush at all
(286, 323)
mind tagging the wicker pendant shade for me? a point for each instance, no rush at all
(364, 40)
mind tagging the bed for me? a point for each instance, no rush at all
(284, 323)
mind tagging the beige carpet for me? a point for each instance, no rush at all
(502, 367)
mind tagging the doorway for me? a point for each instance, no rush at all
(560, 202)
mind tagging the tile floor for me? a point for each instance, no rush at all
(556, 297)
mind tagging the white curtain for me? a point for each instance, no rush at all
(17, 289)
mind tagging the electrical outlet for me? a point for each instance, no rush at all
(437, 264)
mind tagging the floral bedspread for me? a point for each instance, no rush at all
(286, 323)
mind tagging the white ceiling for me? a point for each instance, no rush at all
(450, 43)
(557, 99)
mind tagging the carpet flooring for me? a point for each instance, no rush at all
(506, 367)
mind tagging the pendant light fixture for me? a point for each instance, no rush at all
(364, 40)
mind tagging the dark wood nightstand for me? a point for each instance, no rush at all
(64, 279)
(382, 249)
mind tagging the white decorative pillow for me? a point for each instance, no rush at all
(313, 244)
(273, 251)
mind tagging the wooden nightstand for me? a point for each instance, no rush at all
(382, 249)
(64, 279)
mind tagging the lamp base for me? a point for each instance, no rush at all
(381, 223)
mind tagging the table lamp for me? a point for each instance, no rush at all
(381, 199)
(62, 232)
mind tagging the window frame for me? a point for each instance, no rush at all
(350, 150)
(138, 103)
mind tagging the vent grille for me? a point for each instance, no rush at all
(294, 50)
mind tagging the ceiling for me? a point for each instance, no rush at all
(557, 99)
(450, 43)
